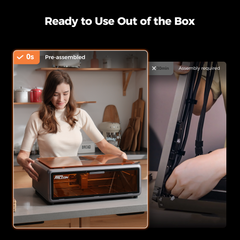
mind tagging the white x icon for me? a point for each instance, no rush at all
(154, 68)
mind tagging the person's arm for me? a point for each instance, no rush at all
(108, 148)
(200, 92)
(30, 136)
(26, 162)
(200, 96)
(95, 135)
(197, 176)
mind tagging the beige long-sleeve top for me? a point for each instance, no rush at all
(67, 139)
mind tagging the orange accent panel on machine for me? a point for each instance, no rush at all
(83, 161)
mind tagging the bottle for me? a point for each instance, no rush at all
(106, 62)
(94, 61)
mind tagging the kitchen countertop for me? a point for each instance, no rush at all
(32, 208)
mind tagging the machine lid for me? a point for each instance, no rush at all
(83, 161)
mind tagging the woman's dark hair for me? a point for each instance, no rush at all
(47, 109)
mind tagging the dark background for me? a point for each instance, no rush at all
(211, 39)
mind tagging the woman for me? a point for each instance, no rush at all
(57, 125)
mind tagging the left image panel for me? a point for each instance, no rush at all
(80, 139)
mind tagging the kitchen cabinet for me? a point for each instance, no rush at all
(21, 178)
(126, 73)
(61, 223)
(138, 220)
(144, 168)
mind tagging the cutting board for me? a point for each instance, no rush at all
(136, 128)
(127, 137)
(138, 111)
(111, 114)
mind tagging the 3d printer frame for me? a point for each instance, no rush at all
(175, 141)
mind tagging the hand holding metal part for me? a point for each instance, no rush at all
(195, 177)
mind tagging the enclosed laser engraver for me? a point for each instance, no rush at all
(176, 137)
(80, 178)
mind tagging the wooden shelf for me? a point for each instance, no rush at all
(25, 103)
(126, 72)
(93, 69)
(79, 103)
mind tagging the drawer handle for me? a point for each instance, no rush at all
(124, 214)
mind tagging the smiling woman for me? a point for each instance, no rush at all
(57, 125)
(57, 93)
(61, 97)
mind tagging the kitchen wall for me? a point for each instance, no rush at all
(103, 87)
(161, 94)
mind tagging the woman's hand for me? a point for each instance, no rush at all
(26, 162)
(195, 177)
(27, 166)
(124, 155)
(108, 148)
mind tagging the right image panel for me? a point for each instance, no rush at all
(187, 143)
